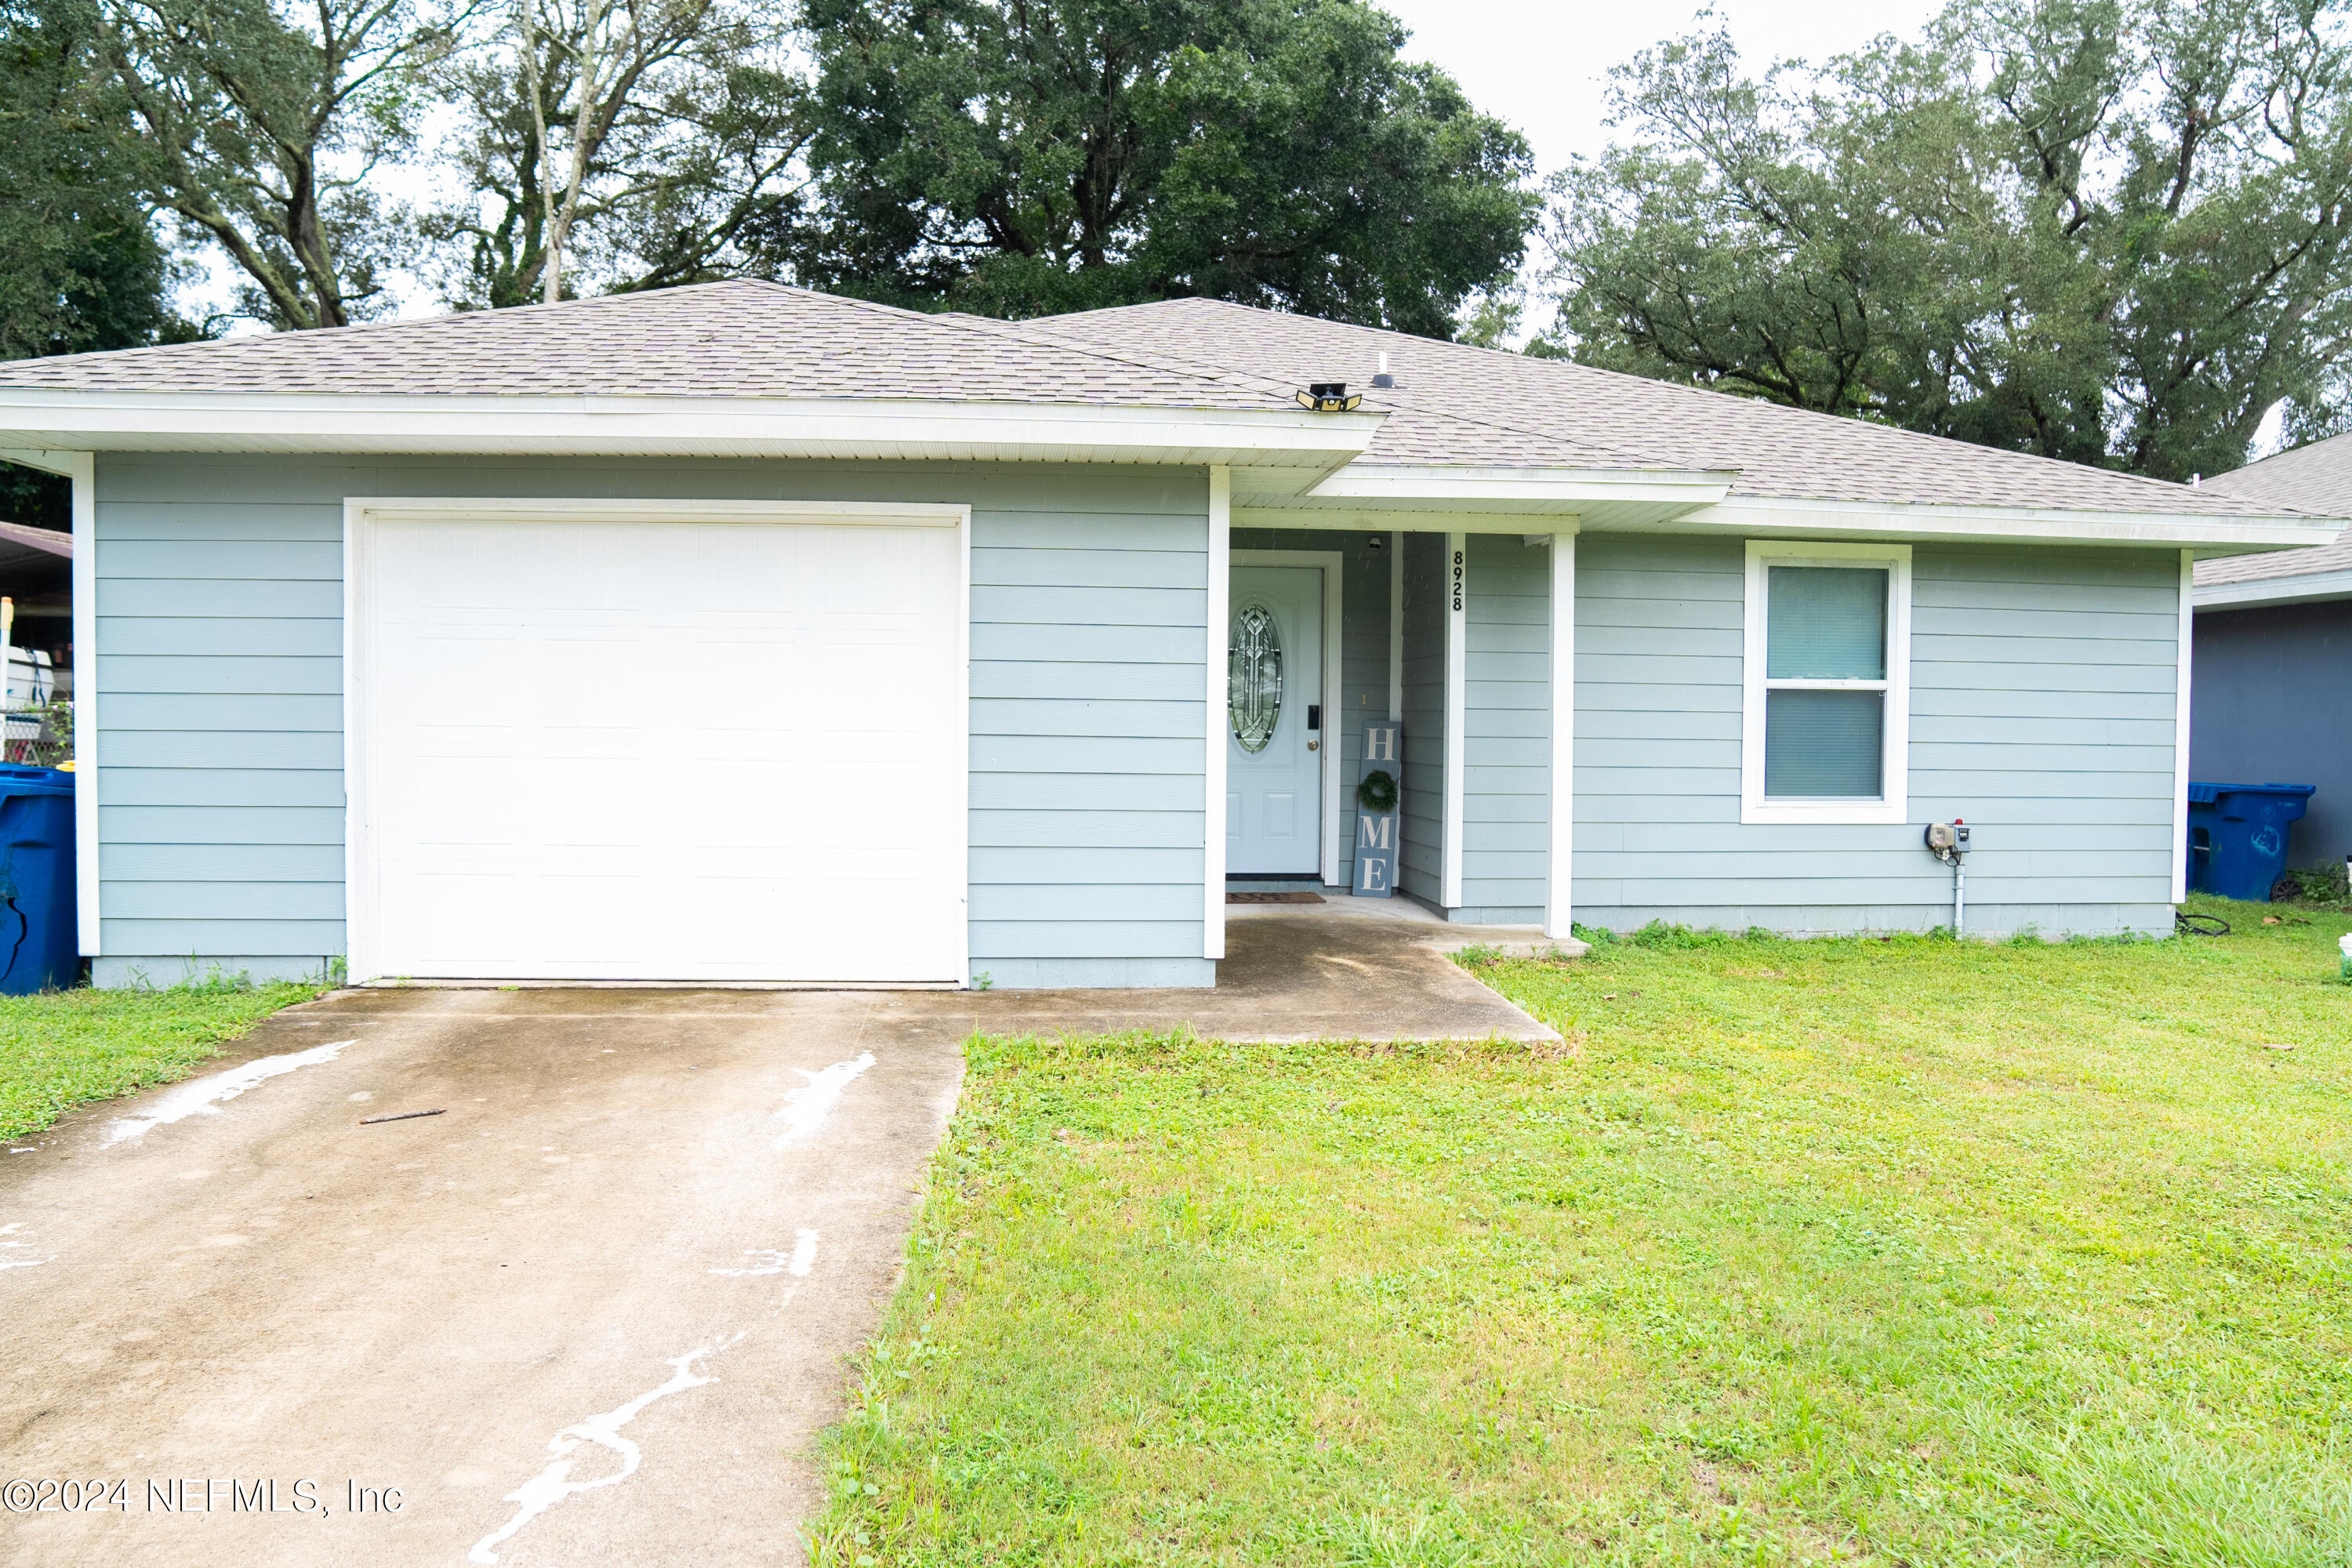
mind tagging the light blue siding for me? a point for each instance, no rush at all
(220, 682)
(1505, 731)
(2042, 703)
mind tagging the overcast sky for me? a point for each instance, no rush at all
(1544, 67)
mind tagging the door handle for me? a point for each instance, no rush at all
(1314, 745)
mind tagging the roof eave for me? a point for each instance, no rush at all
(571, 426)
(2255, 593)
(1765, 517)
(1439, 495)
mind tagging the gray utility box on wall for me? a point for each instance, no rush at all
(1379, 778)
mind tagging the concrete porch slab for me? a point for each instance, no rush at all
(1348, 969)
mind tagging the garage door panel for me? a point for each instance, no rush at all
(666, 750)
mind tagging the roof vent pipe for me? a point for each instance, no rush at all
(1384, 378)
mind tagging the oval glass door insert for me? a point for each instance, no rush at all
(1254, 684)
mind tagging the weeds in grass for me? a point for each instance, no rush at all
(1893, 1251)
(63, 1048)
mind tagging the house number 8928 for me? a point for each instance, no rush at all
(1457, 580)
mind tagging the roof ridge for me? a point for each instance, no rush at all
(1563, 365)
(1385, 394)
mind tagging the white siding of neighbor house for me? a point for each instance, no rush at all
(2041, 712)
(220, 682)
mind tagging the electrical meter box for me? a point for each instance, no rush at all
(1948, 837)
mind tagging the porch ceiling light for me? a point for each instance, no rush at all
(1328, 397)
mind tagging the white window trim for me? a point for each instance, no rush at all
(1893, 805)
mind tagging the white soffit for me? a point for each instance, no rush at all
(1439, 496)
(40, 417)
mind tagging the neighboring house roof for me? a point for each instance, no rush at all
(2313, 479)
(21, 539)
(1456, 404)
(745, 368)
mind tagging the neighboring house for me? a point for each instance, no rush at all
(2272, 677)
(742, 633)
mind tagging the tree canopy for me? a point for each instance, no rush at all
(1020, 157)
(2115, 231)
(84, 269)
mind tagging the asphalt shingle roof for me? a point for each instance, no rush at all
(2314, 478)
(1453, 405)
(1579, 415)
(740, 339)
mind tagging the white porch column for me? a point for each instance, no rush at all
(2186, 640)
(1457, 692)
(1558, 910)
(1221, 588)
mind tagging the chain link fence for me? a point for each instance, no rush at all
(36, 735)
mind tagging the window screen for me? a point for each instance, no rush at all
(1826, 629)
(1826, 623)
(1824, 744)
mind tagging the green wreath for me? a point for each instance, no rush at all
(1377, 792)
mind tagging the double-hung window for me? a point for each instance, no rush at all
(1825, 714)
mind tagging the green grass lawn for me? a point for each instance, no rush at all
(1877, 1251)
(62, 1048)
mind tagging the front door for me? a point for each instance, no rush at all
(1273, 737)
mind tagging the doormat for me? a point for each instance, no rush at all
(1273, 898)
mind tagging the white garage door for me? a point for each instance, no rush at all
(623, 749)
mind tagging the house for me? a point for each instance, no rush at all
(742, 633)
(2271, 688)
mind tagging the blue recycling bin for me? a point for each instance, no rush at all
(38, 937)
(2237, 836)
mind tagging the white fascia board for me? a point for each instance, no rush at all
(2306, 588)
(49, 462)
(1563, 488)
(1763, 516)
(40, 417)
(1382, 519)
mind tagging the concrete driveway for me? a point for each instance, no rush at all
(586, 1316)
(591, 1313)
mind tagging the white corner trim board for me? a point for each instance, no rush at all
(1559, 885)
(2184, 649)
(1892, 805)
(1457, 694)
(1217, 700)
(82, 468)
